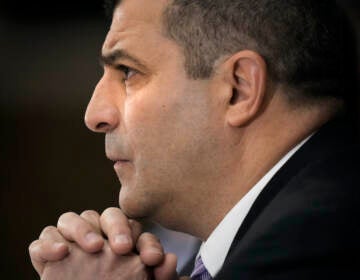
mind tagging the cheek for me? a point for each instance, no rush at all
(145, 123)
(141, 107)
(168, 129)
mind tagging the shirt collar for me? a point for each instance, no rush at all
(215, 249)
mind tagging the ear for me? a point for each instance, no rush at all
(246, 73)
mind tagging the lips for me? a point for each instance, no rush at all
(121, 161)
(114, 153)
(115, 157)
(120, 166)
(118, 160)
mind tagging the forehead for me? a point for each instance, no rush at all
(135, 19)
(142, 10)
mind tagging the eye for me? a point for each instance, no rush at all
(127, 71)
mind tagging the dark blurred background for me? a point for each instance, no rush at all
(50, 162)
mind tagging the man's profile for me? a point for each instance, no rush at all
(225, 120)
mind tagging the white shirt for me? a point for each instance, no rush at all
(215, 249)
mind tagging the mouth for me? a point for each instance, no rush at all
(120, 166)
(119, 162)
(115, 158)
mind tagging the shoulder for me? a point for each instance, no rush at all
(307, 224)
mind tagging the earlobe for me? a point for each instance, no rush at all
(247, 73)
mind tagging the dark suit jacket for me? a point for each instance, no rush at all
(305, 223)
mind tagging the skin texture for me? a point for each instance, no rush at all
(103, 265)
(155, 119)
(82, 235)
(178, 144)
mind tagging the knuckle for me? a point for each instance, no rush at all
(34, 250)
(33, 245)
(46, 231)
(110, 211)
(109, 218)
(113, 221)
(90, 214)
(64, 218)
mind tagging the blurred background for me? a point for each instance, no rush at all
(50, 162)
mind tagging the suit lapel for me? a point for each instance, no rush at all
(317, 147)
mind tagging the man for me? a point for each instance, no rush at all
(225, 120)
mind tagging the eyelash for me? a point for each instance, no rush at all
(126, 70)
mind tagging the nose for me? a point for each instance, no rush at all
(102, 114)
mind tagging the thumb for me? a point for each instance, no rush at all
(167, 269)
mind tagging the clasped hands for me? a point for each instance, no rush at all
(77, 249)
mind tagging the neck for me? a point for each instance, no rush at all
(254, 150)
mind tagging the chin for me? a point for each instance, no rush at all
(132, 206)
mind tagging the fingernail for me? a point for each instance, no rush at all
(92, 237)
(122, 239)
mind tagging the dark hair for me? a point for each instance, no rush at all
(302, 41)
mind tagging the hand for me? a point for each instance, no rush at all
(105, 265)
(85, 230)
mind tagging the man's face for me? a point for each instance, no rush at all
(161, 127)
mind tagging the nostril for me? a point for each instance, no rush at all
(101, 125)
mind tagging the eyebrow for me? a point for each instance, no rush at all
(111, 58)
